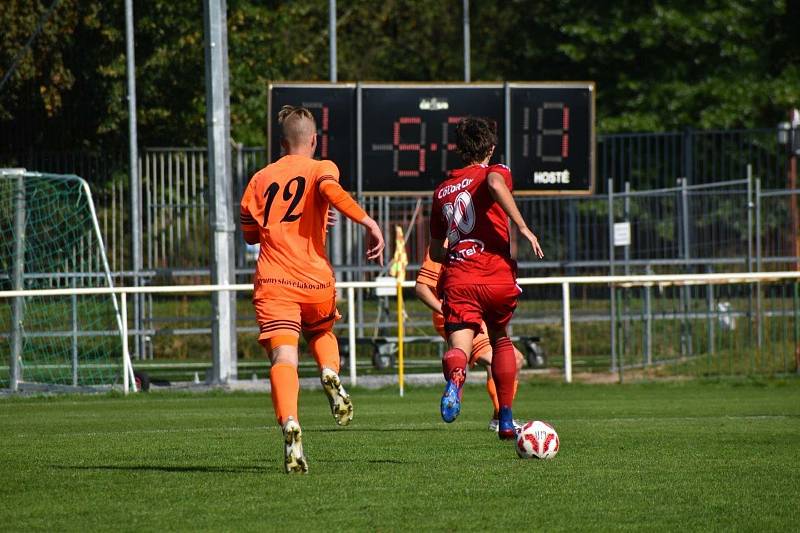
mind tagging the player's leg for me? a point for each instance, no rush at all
(482, 356)
(279, 338)
(462, 320)
(504, 374)
(317, 324)
(484, 359)
(499, 303)
(454, 368)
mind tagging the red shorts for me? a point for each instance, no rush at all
(466, 306)
(481, 347)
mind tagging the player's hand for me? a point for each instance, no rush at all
(375, 242)
(333, 218)
(537, 249)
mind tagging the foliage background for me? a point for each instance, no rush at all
(659, 65)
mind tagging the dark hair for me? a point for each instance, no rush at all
(475, 138)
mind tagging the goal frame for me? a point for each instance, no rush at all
(18, 271)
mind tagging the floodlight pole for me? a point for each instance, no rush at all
(466, 43)
(223, 303)
(332, 37)
(135, 183)
(336, 230)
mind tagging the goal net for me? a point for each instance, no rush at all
(50, 238)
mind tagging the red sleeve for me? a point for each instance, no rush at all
(505, 172)
(438, 227)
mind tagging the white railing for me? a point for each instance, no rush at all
(350, 287)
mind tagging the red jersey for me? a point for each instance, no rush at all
(475, 226)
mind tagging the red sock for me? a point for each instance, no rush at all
(504, 370)
(454, 359)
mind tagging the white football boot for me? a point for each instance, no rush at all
(494, 425)
(341, 405)
(295, 460)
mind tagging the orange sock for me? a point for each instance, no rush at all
(285, 389)
(516, 384)
(492, 390)
(325, 350)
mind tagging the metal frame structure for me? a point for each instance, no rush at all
(681, 280)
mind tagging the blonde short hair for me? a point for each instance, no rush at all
(297, 124)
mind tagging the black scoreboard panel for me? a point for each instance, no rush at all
(551, 132)
(406, 142)
(408, 132)
(334, 108)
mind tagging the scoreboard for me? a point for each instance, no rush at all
(334, 108)
(399, 138)
(408, 132)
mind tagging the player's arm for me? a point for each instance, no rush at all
(344, 203)
(249, 225)
(438, 250)
(502, 195)
(427, 280)
(427, 295)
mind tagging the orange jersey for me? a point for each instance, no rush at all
(429, 272)
(284, 202)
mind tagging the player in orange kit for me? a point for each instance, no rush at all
(284, 209)
(427, 291)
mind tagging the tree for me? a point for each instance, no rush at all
(659, 64)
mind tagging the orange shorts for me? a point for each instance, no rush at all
(283, 317)
(480, 344)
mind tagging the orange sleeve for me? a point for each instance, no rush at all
(429, 272)
(327, 169)
(248, 222)
(245, 217)
(330, 189)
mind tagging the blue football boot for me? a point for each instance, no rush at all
(451, 399)
(506, 429)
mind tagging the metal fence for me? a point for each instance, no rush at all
(720, 332)
(709, 201)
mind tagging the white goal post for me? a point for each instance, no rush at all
(50, 237)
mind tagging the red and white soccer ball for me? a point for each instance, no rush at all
(537, 440)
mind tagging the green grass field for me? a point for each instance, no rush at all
(656, 456)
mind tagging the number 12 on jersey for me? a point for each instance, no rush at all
(291, 193)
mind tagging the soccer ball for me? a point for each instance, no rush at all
(537, 440)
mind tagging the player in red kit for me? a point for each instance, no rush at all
(471, 209)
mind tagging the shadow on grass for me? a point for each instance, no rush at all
(167, 468)
(370, 461)
(371, 430)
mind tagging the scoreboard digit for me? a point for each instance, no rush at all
(551, 132)
(408, 132)
(333, 107)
